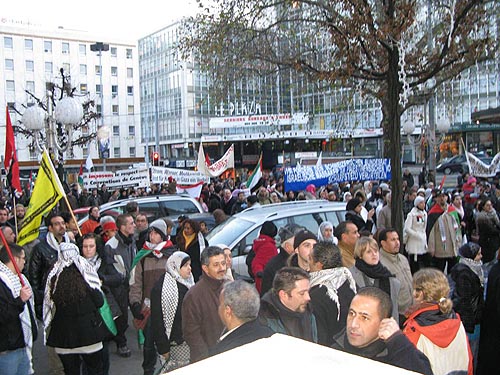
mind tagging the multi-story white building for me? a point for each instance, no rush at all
(31, 56)
(177, 112)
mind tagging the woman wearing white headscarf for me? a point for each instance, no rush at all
(73, 324)
(166, 306)
(325, 232)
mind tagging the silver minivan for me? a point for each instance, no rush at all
(239, 231)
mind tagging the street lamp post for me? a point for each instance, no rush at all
(433, 135)
(54, 129)
(103, 142)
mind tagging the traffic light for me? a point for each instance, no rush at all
(156, 159)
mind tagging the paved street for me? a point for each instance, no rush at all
(119, 366)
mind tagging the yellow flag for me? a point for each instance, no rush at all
(46, 193)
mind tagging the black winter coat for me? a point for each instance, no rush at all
(160, 337)
(359, 222)
(467, 297)
(246, 333)
(326, 312)
(275, 263)
(12, 337)
(489, 341)
(42, 260)
(78, 324)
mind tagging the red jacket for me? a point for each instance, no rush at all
(264, 248)
(442, 338)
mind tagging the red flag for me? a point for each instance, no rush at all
(11, 163)
(207, 159)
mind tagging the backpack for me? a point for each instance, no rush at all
(248, 261)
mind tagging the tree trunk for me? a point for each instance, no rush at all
(392, 139)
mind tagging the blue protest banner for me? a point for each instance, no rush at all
(342, 171)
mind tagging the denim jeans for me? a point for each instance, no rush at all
(14, 362)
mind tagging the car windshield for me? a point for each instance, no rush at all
(227, 232)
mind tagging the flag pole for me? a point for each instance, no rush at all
(11, 257)
(15, 212)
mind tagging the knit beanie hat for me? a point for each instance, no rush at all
(302, 236)
(469, 250)
(160, 227)
(352, 204)
(418, 200)
(110, 225)
(269, 229)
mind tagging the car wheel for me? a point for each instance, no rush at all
(447, 170)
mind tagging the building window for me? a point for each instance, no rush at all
(30, 66)
(130, 72)
(116, 152)
(98, 109)
(83, 88)
(9, 85)
(9, 64)
(115, 109)
(113, 51)
(83, 69)
(85, 152)
(131, 130)
(47, 46)
(114, 90)
(98, 70)
(30, 86)
(65, 48)
(130, 90)
(114, 71)
(116, 130)
(129, 53)
(7, 42)
(28, 44)
(83, 49)
(48, 67)
(98, 89)
(66, 67)
(130, 109)
(131, 151)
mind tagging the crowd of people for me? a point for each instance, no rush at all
(427, 303)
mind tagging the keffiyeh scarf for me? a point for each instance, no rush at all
(333, 279)
(170, 291)
(14, 284)
(68, 254)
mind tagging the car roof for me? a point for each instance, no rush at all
(283, 208)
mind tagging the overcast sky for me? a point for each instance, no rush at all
(125, 19)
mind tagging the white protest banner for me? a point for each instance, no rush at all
(194, 191)
(160, 175)
(217, 168)
(478, 168)
(135, 177)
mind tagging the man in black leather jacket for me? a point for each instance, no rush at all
(44, 256)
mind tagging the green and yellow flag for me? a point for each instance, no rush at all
(47, 192)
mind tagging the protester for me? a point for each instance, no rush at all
(119, 253)
(414, 236)
(468, 294)
(147, 268)
(191, 241)
(353, 215)
(167, 297)
(239, 305)
(325, 232)
(72, 321)
(17, 322)
(347, 234)
(286, 309)
(201, 324)
(369, 271)
(371, 333)
(331, 290)
(434, 328)
(287, 236)
(93, 222)
(265, 249)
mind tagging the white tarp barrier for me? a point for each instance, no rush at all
(281, 354)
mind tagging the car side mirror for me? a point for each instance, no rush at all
(247, 249)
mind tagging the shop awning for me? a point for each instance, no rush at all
(487, 116)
